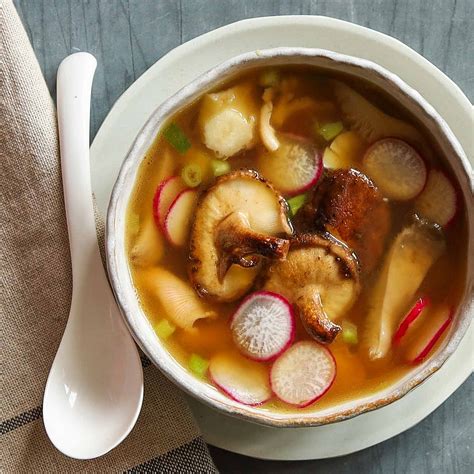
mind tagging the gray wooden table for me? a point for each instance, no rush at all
(128, 36)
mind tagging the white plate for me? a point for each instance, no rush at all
(179, 67)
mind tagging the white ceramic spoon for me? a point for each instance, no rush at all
(94, 390)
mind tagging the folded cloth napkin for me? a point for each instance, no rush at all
(36, 290)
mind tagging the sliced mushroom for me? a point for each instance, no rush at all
(267, 132)
(372, 123)
(320, 277)
(228, 119)
(348, 205)
(287, 106)
(239, 220)
(412, 253)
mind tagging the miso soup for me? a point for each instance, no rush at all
(296, 238)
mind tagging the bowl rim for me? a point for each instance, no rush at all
(135, 155)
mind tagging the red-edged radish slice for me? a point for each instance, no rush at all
(412, 315)
(263, 326)
(303, 373)
(179, 218)
(438, 201)
(430, 330)
(294, 167)
(164, 196)
(397, 169)
(241, 379)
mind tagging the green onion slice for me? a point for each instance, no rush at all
(296, 202)
(330, 130)
(198, 365)
(177, 138)
(164, 329)
(220, 167)
(192, 175)
(349, 333)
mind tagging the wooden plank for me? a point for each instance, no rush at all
(127, 37)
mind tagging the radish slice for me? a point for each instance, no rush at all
(303, 374)
(241, 379)
(437, 202)
(397, 169)
(427, 334)
(263, 326)
(418, 308)
(164, 196)
(179, 218)
(294, 167)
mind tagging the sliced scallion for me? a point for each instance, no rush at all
(164, 329)
(198, 365)
(192, 175)
(349, 333)
(296, 202)
(220, 167)
(177, 138)
(330, 130)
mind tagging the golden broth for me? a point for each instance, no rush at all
(356, 373)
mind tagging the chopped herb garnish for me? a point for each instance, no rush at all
(164, 329)
(198, 365)
(220, 167)
(349, 333)
(330, 130)
(192, 175)
(296, 202)
(176, 138)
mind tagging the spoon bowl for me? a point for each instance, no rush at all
(94, 391)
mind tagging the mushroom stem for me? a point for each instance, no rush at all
(320, 277)
(267, 132)
(238, 244)
(314, 318)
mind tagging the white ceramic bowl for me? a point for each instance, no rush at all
(118, 263)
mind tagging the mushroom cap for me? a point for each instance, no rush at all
(238, 220)
(320, 276)
(347, 204)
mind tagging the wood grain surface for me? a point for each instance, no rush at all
(128, 36)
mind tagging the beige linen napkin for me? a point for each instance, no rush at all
(36, 289)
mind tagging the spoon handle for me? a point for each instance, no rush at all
(74, 84)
